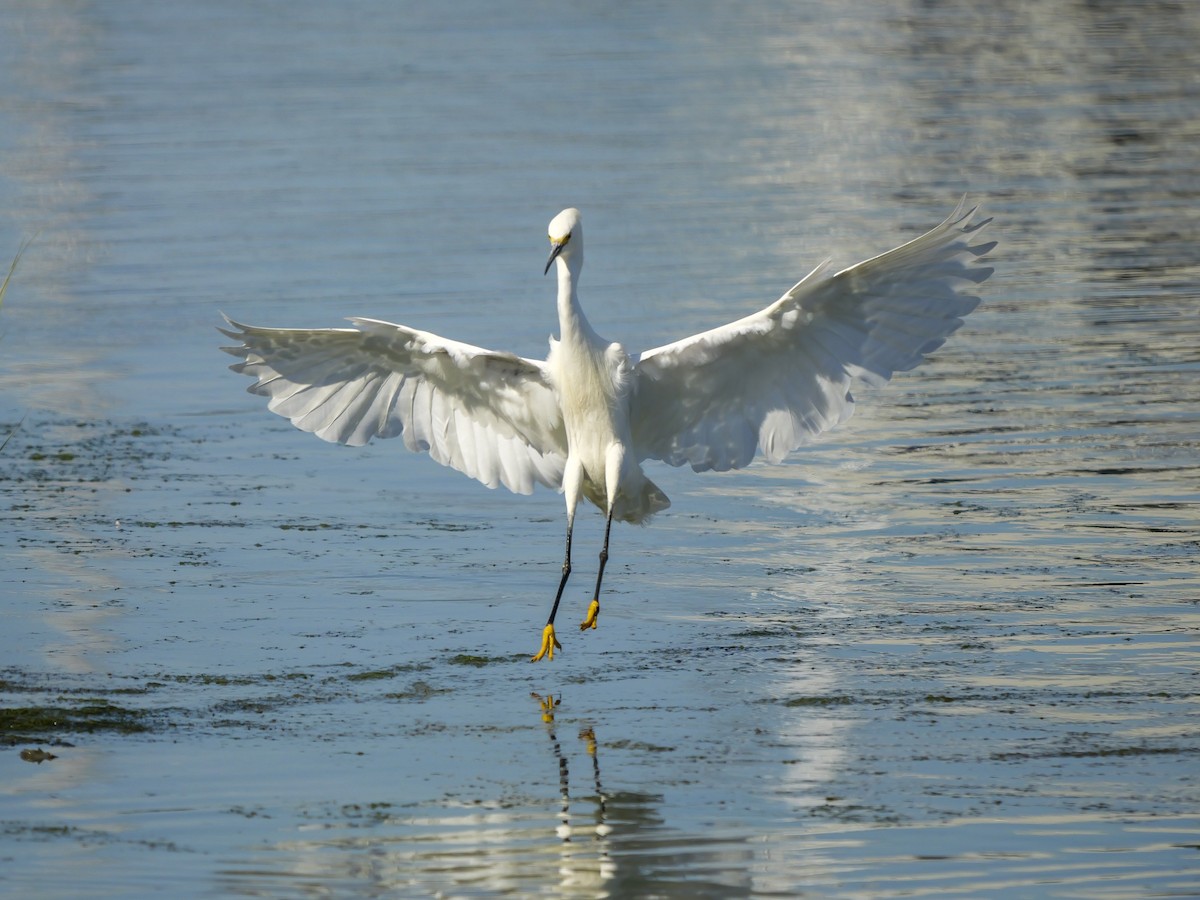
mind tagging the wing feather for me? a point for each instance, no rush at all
(493, 416)
(776, 379)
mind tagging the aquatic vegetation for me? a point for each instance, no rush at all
(41, 724)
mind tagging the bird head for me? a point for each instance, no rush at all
(566, 237)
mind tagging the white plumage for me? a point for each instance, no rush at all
(585, 419)
(493, 416)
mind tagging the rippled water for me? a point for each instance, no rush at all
(950, 650)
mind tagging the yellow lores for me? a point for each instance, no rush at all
(584, 419)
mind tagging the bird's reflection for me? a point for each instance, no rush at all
(602, 867)
(604, 843)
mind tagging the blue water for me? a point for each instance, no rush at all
(949, 650)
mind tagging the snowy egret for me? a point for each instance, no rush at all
(583, 420)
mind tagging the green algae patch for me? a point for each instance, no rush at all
(466, 659)
(469, 659)
(25, 723)
(389, 672)
(832, 700)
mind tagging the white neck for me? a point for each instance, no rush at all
(570, 314)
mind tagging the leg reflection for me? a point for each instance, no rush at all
(578, 868)
(603, 829)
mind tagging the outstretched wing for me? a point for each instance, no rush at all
(778, 378)
(493, 416)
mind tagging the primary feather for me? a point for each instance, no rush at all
(490, 415)
(774, 380)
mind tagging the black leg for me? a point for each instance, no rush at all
(566, 573)
(603, 557)
(549, 641)
(594, 606)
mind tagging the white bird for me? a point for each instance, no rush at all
(585, 419)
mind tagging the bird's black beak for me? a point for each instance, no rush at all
(558, 248)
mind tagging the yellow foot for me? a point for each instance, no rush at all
(549, 644)
(590, 621)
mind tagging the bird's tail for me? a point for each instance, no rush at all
(639, 506)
